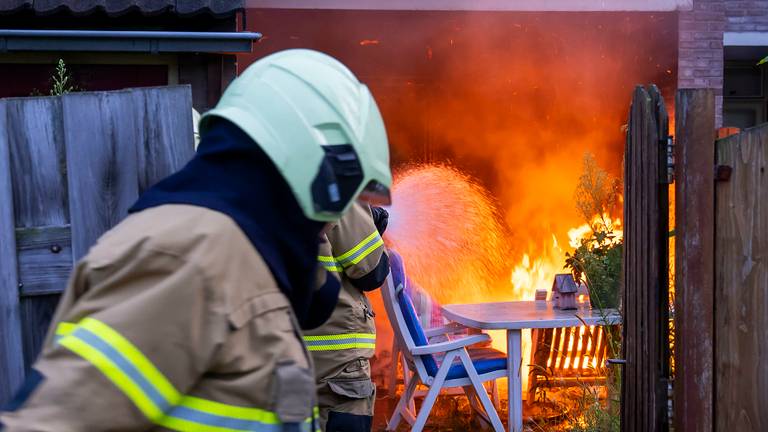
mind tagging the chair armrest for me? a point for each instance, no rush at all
(450, 345)
(447, 329)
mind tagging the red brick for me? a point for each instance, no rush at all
(707, 73)
(698, 44)
(708, 35)
(690, 25)
(708, 16)
(742, 28)
(685, 36)
(716, 26)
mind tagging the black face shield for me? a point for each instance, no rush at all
(339, 178)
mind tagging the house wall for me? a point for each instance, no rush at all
(746, 16)
(700, 39)
(481, 5)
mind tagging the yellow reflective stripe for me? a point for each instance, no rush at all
(110, 370)
(178, 424)
(340, 341)
(132, 373)
(357, 247)
(65, 328)
(365, 253)
(139, 360)
(329, 263)
(225, 410)
(340, 336)
(336, 347)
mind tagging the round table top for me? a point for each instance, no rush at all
(518, 315)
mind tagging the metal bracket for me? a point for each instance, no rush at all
(669, 142)
(723, 173)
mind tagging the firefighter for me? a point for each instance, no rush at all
(341, 348)
(187, 315)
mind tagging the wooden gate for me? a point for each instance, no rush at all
(70, 167)
(741, 282)
(646, 261)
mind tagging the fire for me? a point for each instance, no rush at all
(449, 232)
(537, 274)
(530, 275)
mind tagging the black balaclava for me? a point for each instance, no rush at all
(232, 175)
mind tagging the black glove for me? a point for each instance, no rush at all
(380, 219)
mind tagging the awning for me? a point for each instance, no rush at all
(126, 41)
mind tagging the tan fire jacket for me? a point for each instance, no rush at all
(172, 321)
(353, 250)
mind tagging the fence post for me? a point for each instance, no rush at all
(11, 354)
(694, 259)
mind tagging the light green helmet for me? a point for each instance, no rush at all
(318, 124)
(195, 127)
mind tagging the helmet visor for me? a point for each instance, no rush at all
(376, 194)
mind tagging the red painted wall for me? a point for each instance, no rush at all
(19, 80)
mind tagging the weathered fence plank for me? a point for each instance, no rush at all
(38, 166)
(38, 173)
(44, 259)
(164, 132)
(694, 259)
(741, 284)
(645, 269)
(11, 354)
(71, 166)
(100, 132)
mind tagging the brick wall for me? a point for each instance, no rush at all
(746, 16)
(700, 63)
(700, 48)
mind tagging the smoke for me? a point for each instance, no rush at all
(513, 99)
(516, 100)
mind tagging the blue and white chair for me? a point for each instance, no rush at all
(455, 369)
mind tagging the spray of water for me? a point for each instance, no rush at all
(446, 227)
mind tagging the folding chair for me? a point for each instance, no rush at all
(437, 329)
(420, 355)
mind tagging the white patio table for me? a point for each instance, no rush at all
(514, 317)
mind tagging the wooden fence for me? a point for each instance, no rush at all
(721, 267)
(741, 282)
(70, 167)
(645, 271)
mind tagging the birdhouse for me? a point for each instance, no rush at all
(564, 292)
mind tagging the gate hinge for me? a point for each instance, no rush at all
(723, 173)
(669, 142)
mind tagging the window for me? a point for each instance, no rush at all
(745, 89)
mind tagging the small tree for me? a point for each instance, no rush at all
(597, 260)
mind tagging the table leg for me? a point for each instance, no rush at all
(515, 385)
